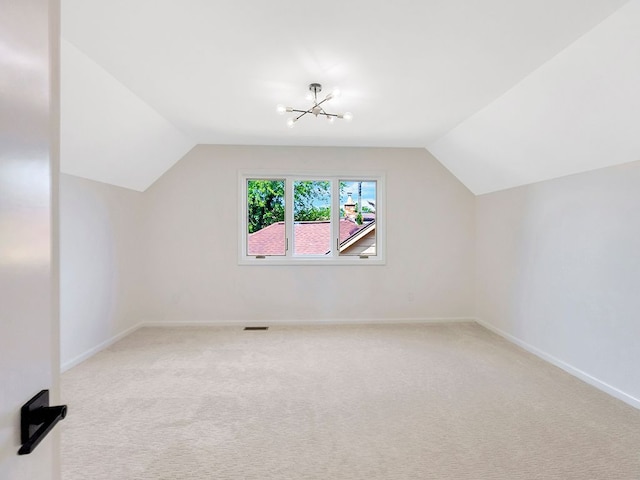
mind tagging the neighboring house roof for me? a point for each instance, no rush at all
(311, 238)
(357, 236)
(267, 241)
(349, 228)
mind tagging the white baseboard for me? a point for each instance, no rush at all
(252, 323)
(307, 322)
(92, 351)
(585, 377)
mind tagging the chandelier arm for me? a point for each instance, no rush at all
(323, 112)
(304, 112)
(321, 102)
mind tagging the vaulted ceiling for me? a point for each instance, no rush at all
(502, 92)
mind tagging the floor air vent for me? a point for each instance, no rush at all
(256, 328)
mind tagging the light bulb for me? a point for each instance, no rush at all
(281, 109)
(347, 116)
(335, 93)
(291, 122)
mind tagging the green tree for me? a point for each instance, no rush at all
(265, 203)
(306, 197)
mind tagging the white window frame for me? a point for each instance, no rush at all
(289, 258)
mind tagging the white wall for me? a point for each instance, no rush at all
(100, 252)
(558, 269)
(554, 265)
(191, 223)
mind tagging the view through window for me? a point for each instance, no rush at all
(313, 218)
(357, 218)
(265, 217)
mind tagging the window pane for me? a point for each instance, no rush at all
(357, 217)
(265, 217)
(312, 217)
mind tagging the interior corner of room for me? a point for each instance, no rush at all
(552, 266)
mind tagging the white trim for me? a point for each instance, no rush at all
(101, 346)
(311, 322)
(343, 260)
(252, 323)
(334, 176)
(585, 377)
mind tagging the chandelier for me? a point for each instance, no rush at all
(315, 109)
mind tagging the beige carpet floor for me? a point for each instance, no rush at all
(340, 402)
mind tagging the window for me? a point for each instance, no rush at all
(312, 219)
(266, 216)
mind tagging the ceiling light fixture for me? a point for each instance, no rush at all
(315, 109)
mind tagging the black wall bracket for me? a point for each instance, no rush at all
(37, 419)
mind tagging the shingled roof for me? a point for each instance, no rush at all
(312, 238)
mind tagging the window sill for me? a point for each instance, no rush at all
(289, 261)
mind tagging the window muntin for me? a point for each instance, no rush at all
(337, 245)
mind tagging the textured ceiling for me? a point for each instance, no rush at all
(145, 80)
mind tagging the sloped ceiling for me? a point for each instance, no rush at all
(579, 111)
(144, 80)
(109, 134)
